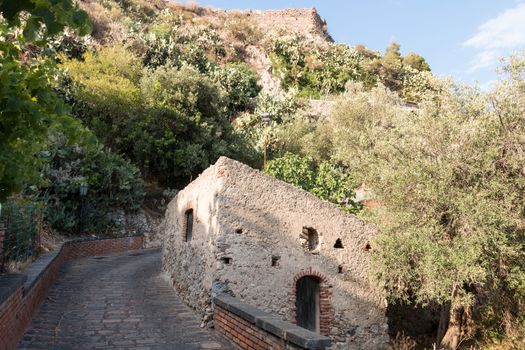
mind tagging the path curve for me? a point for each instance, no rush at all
(116, 302)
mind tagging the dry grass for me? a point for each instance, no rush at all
(402, 342)
(18, 266)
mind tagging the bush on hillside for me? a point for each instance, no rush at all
(240, 83)
(113, 183)
(325, 180)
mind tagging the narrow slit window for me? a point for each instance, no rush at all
(188, 227)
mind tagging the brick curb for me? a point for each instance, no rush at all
(22, 294)
(251, 328)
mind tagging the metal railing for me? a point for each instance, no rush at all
(21, 220)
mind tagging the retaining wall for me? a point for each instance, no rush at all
(22, 294)
(252, 329)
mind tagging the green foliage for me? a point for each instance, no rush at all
(29, 110)
(69, 44)
(252, 132)
(54, 16)
(104, 92)
(326, 180)
(113, 182)
(174, 46)
(416, 61)
(280, 108)
(187, 129)
(316, 70)
(172, 122)
(240, 83)
(449, 179)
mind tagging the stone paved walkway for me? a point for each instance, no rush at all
(116, 302)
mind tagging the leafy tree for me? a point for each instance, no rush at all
(29, 108)
(44, 18)
(171, 122)
(416, 61)
(188, 125)
(105, 94)
(449, 185)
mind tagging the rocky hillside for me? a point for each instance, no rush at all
(289, 48)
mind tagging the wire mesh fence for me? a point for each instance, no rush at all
(21, 220)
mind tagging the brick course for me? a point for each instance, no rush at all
(252, 329)
(19, 308)
(246, 335)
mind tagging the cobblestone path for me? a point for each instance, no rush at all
(116, 302)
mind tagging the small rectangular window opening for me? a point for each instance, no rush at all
(188, 225)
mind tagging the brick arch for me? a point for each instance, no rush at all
(325, 299)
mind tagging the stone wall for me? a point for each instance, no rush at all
(21, 295)
(247, 242)
(304, 21)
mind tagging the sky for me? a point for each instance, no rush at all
(459, 38)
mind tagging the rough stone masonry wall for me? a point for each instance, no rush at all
(21, 295)
(244, 219)
(190, 266)
(304, 21)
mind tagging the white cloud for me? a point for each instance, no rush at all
(497, 36)
(507, 30)
(483, 59)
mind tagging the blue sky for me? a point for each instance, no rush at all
(459, 38)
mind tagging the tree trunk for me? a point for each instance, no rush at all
(444, 317)
(451, 339)
(460, 327)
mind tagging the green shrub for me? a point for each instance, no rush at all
(316, 70)
(177, 47)
(239, 82)
(170, 121)
(187, 127)
(113, 183)
(326, 180)
(104, 92)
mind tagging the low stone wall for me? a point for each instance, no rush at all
(22, 294)
(253, 329)
(305, 21)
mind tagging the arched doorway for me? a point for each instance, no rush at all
(307, 300)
